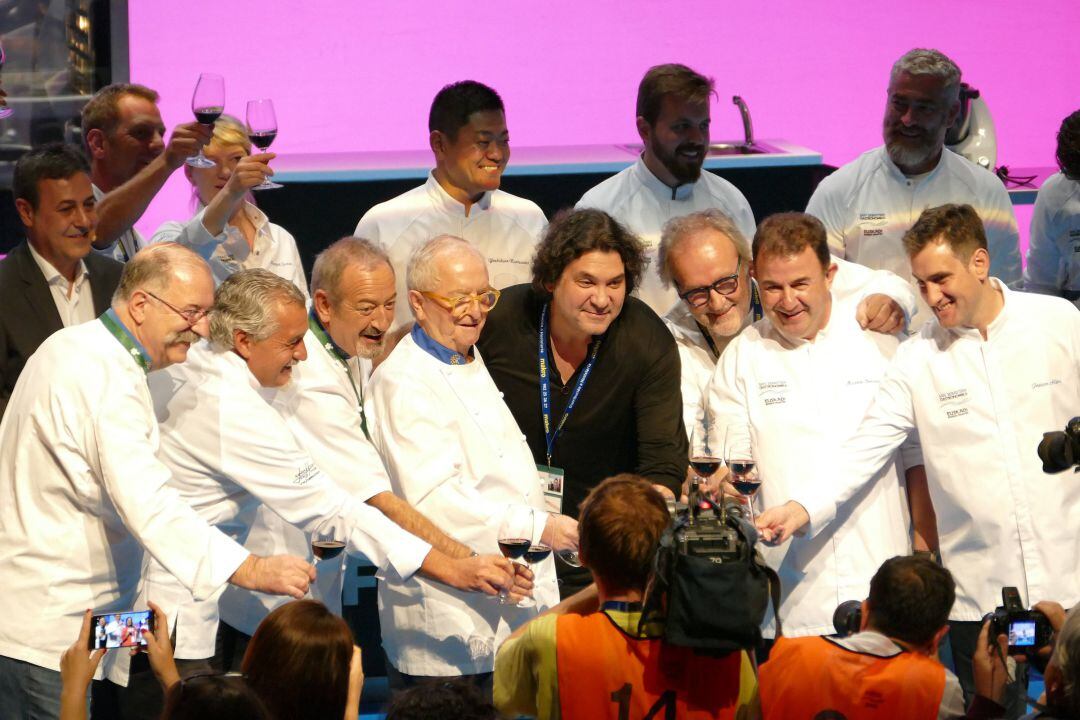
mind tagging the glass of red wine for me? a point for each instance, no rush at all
(208, 102)
(515, 541)
(742, 462)
(262, 129)
(326, 546)
(704, 455)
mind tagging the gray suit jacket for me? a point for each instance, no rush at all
(28, 314)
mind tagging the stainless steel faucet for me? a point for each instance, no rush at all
(748, 127)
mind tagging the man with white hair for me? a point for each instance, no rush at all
(83, 492)
(453, 450)
(1062, 676)
(868, 204)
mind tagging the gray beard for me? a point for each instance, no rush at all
(904, 157)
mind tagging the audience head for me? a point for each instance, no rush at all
(55, 202)
(123, 132)
(619, 527)
(262, 318)
(163, 297)
(923, 103)
(467, 126)
(910, 601)
(214, 697)
(951, 263)
(298, 661)
(449, 291)
(455, 698)
(353, 295)
(794, 273)
(586, 264)
(226, 148)
(1068, 147)
(705, 257)
(1063, 672)
(673, 121)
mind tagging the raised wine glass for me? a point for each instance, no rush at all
(742, 462)
(262, 129)
(704, 451)
(515, 538)
(326, 546)
(208, 102)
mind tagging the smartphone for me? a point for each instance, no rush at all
(122, 629)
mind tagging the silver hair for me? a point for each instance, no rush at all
(330, 264)
(154, 268)
(247, 301)
(422, 272)
(924, 61)
(677, 230)
(1067, 657)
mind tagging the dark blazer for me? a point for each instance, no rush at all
(28, 314)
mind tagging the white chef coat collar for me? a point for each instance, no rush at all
(868, 642)
(995, 324)
(899, 175)
(236, 367)
(442, 200)
(53, 276)
(660, 189)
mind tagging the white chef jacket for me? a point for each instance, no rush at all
(503, 227)
(124, 247)
(455, 453)
(981, 407)
(82, 493)
(851, 284)
(1053, 256)
(868, 205)
(79, 306)
(229, 449)
(322, 411)
(801, 402)
(227, 252)
(640, 201)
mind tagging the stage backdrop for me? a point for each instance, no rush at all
(355, 75)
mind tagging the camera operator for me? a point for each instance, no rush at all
(1061, 700)
(585, 657)
(889, 669)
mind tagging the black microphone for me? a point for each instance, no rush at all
(1059, 451)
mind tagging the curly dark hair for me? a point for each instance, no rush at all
(1068, 146)
(439, 699)
(571, 234)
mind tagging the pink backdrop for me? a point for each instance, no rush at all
(360, 75)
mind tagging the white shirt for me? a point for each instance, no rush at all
(801, 402)
(274, 248)
(851, 284)
(981, 407)
(640, 201)
(868, 205)
(1053, 256)
(126, 245)
(229, 450)
(75, 305)
(503, 227)
(455, 453)
(322, 412)
(82, 493)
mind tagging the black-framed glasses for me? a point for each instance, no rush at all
(190, 316)
(699, 296)
(458, 305)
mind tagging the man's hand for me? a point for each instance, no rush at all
(1053, 612)
(523, 583)
(78, 665)
(277, 575)
(560, 533)
(989, 666)
(249, 172)
(186, 140)
(482, 573)
(778, 524)
(880, 313)
(160, 651)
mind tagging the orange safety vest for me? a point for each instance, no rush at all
(605, 673)
(813, 678)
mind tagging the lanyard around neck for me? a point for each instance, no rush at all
(116, 328)
(342, 357)
(545, 383)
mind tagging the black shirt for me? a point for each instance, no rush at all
(628, 417)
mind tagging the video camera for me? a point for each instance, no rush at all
(1028, 630)
(1061, 450)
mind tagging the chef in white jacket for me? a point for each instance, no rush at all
(454, 451)
(705, 257)
(83, 493)
(801, 380)
(981, 382)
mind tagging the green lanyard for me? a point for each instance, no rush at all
(116, 328)
(320, 333)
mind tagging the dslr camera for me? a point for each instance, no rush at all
(1027, 630)
(1061, 450)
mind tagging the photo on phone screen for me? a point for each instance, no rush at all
(1022, 633)
(117, 630)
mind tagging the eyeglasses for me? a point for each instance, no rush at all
(699, 296)
(458, 305)
(190, 316)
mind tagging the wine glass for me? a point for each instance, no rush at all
(515, 538)
(326, 546)
(5, 111)
(262, 129)
(704, 453)
(208, 102)
(537, 552)
(742, 462)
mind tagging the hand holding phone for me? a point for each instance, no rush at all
(123, 629)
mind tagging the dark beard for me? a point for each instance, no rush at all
(685, 171)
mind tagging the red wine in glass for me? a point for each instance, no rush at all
(514, 548)
(207, 103)
(262, 130)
